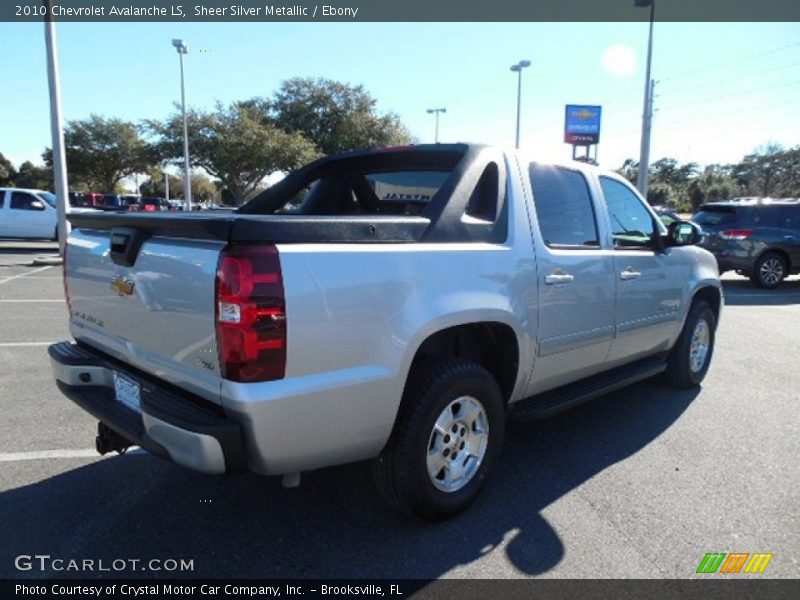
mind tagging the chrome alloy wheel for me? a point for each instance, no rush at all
(699, 346)
(771, 271)
(458, 444)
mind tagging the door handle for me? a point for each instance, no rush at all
(629, 273)
(558, 277)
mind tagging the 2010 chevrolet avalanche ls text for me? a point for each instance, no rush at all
(393, 305)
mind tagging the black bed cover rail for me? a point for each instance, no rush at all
(234, 227)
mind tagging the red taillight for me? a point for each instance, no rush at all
(251, 314)
(736, 234)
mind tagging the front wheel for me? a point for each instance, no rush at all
(446, 440)
(690, 358)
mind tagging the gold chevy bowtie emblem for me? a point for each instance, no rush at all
(122, 286)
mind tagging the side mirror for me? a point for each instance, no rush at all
(683, 233)
(37, 205)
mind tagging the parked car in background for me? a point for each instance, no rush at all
(757, 239)
(112, 201)
(130, 201)
(666, 215)
(153, 204)
(85, 199)
(27, 214)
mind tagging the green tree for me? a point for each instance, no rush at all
(33, 177)
(629, 170)
(7, 171)
(335, 116)
(760, 172)
(101, 152)
(239, 145)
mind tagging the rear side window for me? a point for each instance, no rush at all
(766, 216)
(563, 207)
(2, 197)
(715, 216)
(790, 216)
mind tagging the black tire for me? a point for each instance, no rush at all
(401, 471)
(679, 371)
(768, 272)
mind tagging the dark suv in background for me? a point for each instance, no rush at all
(760, 240)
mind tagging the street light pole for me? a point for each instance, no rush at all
(57, 131)
(517, 68)
(187, 181)
(436, 111)
(647, 111)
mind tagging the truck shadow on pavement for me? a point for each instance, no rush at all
(334, 525)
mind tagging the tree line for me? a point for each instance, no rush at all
(769, 172)
(239, 145)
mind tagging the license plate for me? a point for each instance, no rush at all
(127, 392)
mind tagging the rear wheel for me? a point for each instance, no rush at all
(770, 269)
(446, 440)
(690, 358)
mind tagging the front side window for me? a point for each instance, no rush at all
(25, 201)
(632, 225)
(563, 207)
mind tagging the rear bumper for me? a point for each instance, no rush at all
(172, 424)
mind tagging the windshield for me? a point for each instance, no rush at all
(48, 197)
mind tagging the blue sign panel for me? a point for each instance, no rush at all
(582, 124)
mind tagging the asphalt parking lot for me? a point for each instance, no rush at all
(639, 484)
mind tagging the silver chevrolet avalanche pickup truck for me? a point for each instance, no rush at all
(395, 305)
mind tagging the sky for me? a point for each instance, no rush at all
(723, 89)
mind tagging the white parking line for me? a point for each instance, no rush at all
(27, 300)
(49, 454)
(23, 344)
(45, 454)
(39, 270)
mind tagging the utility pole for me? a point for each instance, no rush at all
(647, 126)
(647, 111)
(57, 130)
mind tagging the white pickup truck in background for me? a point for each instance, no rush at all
(27, 214)
(394, 305)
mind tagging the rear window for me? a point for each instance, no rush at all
(406, 186)
(392, 181)
(715, 216)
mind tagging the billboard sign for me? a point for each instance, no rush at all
(582, 124)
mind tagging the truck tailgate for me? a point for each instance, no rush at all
(157, 314)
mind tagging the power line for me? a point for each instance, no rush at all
(737, 60)
(725, 79)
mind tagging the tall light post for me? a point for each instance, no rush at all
(436, 111)
(517, 68)
(647, 111)
(57, 131)
(187, 178)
